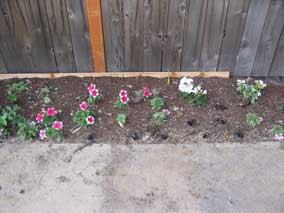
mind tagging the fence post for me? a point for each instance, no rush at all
(96, 34)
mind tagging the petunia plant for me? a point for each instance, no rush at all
(146, 93)
(251, 92)
(49, 125)
(94, 94)
(84, 117)
(192, 93)
(278, 132)
(122, 100)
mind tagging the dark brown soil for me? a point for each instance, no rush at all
(222, 120)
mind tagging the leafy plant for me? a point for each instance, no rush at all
(250, 92)
(94, 95)
(157, 103)
(122, 100)
(81, 118)
(27, 131)
(15, 89)
(278, 132)
(121, 119)
(191, 93)
(253, 119)
(160, 118)
(46, 100)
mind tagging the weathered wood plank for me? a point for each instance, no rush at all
(25, 41)
(60, 34)
(277, 68)
(121, 75)
(113, 34)
(133, 34)
(173, 34)
(251, 37)
(78, 20)
(193, 34)
(235, 23)
(2, 65)
(213, 34)
(270, 36)
(154, 18)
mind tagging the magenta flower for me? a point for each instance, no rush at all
(42, 134)
(39, 118)
(84, 106)
(51, 112)
(94, 93)
(58, 125)
(123, 93)
(147, 93)
(124, 99)
(90, 120)
(92, 87)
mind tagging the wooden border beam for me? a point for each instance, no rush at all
(94, 13)
(120, 75)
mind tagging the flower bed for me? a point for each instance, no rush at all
(146, 110)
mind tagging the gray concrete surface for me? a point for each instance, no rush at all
(38, 178)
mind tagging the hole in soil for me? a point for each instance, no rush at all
(163, 136)
(206, 135)
(22, 191)
(239, 134)
(135, 135)
(192, 122)
(220, 107)
(91, 137)
(219, 120)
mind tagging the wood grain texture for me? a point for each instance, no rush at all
(78, 20)
(154, 21)
(173, 34)
(60, 34)
(277, 68)
(270, 36)
(2, 65)
(224, 74)
(251, 37)
(213, 34)
(193, 34)
(25, 41)
(235, 23)
(113, 34)
(133, 34)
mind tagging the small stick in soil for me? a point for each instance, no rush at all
(76, 129)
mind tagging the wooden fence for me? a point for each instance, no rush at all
(245, 37)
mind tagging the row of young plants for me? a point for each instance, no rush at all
(48, 126)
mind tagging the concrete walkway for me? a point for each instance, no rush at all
(38, 178)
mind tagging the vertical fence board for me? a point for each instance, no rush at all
(113, 34)
(24, 37)
(173, 34)
(154, 18)
(270, 37)
(2, 65)
(193, 35)
(60, 34)
(213, 34)
(277, 68)
(133, 34)
(235, 23)
(251, 37)
(78, 21)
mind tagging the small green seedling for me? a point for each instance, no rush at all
(253, 119)
(160, 118)
(121, 119)
(157, 103)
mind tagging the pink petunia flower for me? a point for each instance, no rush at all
(84, 106)
(58, 125)
(123, 93)
(147, 93)
(39, 118)
(51, 112)
(92, 87)
(124, 99)
(94, 93)
(42, 134)
(279, 137)
(90, 120)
